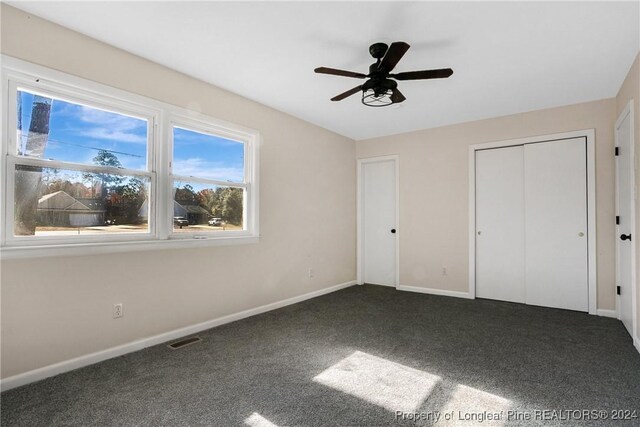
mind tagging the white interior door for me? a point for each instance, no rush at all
(556, 255)
(624, 197)
(500, 224)
(379, 223)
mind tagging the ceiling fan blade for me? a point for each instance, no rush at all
(395, 52)
(347, 93)
(397, 96)
(422, 75)
(336, 72)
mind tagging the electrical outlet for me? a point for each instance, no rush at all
(444, 271)
(310, 273)
(117, 310)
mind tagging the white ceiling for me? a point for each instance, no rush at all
(507, 57)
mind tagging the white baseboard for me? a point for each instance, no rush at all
(433, 291)
(636, 343)
(607, 313)
(378, 284)
(99, 356)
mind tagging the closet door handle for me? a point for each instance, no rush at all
(625, 237)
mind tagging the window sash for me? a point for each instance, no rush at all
(190, 124)
(77, 96)
(184, 178)
(13, 161)
(190, 233)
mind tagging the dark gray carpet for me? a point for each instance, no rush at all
(383, 345)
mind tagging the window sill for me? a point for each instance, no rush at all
(74, 249)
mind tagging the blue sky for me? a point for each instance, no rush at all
(207, 156)
(77, 133)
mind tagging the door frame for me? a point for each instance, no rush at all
(627, 111)
(589, 134)
(360, 214)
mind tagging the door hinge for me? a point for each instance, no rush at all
(617, 219)
(618, 290)
(617, 151)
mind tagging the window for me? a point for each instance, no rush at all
(208, 181)
(92, 165)
(77, 169)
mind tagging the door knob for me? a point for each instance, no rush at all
(625, 237)
(393, 230)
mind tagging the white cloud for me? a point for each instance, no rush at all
(114, 135)
(190, 137)
(201, 168)
(93, 115)
(113, 126)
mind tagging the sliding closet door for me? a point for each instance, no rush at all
(500, 224)
(555, 192)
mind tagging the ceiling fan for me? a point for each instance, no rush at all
(380, 90)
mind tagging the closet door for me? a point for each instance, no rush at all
(500, 224)
(555, 192)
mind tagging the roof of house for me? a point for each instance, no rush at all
(195, 209)
(61, 201)
(178, 209)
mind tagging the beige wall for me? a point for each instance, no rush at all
(631, 90)
(54, 309)
(434, 189)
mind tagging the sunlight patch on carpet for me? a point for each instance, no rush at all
(257, 420)
(473, 407)
(379, 381)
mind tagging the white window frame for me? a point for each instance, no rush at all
(45, 88)
(161, 117)
(247, 140)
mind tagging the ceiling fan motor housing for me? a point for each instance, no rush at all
(377, 50)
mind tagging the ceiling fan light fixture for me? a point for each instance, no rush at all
(372, 98)
(381, 88)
